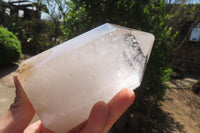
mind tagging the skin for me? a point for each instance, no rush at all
(102, 116)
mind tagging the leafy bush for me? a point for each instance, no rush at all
(10, 47)
(147, 15)
(35, 35)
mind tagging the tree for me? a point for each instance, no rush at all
(184, 18)
(147, 15)
(57, 9)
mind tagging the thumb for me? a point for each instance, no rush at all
(20, 113)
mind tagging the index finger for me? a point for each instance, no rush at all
(118, 105)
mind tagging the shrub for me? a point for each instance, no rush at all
(147, 15)
(37, 35)
(10, 47)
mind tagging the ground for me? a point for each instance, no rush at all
(7, 89)
(180, 111)
(183, 106)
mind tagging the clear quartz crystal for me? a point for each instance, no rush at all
(64, 82)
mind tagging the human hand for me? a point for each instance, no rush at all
(101, 118)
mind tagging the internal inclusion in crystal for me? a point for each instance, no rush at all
(136, 54)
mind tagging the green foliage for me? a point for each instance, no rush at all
(75, 20)
(10, 47)
(157, 71)
(183, 15)
(146, 15)
(36, 35)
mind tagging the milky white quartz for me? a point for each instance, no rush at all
(64, 82)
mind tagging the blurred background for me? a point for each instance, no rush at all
(168, 100)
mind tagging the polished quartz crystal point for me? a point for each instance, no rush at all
(64, 82)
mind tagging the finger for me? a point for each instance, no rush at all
(78, 128)
(97, 119)
(34, 128)
(118, 105)
(21, 98)
(21, 112)
(37, 127)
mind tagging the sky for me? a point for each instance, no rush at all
(189, 1)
